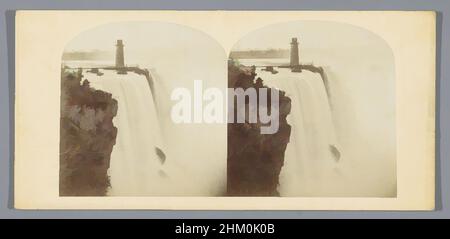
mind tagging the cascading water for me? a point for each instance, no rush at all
(152, 155)
(137, 160)
(312, 155)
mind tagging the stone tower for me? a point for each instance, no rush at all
(294, 52)
(120, 61)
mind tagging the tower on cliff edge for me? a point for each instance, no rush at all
(120, 61)
(294, 52)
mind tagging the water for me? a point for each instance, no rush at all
(87, 63)
(310, 165)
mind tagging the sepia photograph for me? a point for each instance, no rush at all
(117, 134)
(336, 86)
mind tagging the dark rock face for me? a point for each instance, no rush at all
(254, 159)
(87, 137)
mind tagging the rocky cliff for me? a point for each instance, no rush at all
(254, 159)
(87, 137)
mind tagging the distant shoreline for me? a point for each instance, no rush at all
(260, 54)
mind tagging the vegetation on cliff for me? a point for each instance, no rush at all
(254, 159)
(87, 137)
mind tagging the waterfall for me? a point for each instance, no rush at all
(312, 156)
(152, 155)
(138, 157)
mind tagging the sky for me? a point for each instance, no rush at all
(310, 34)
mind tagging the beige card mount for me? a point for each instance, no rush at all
(244, 110)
